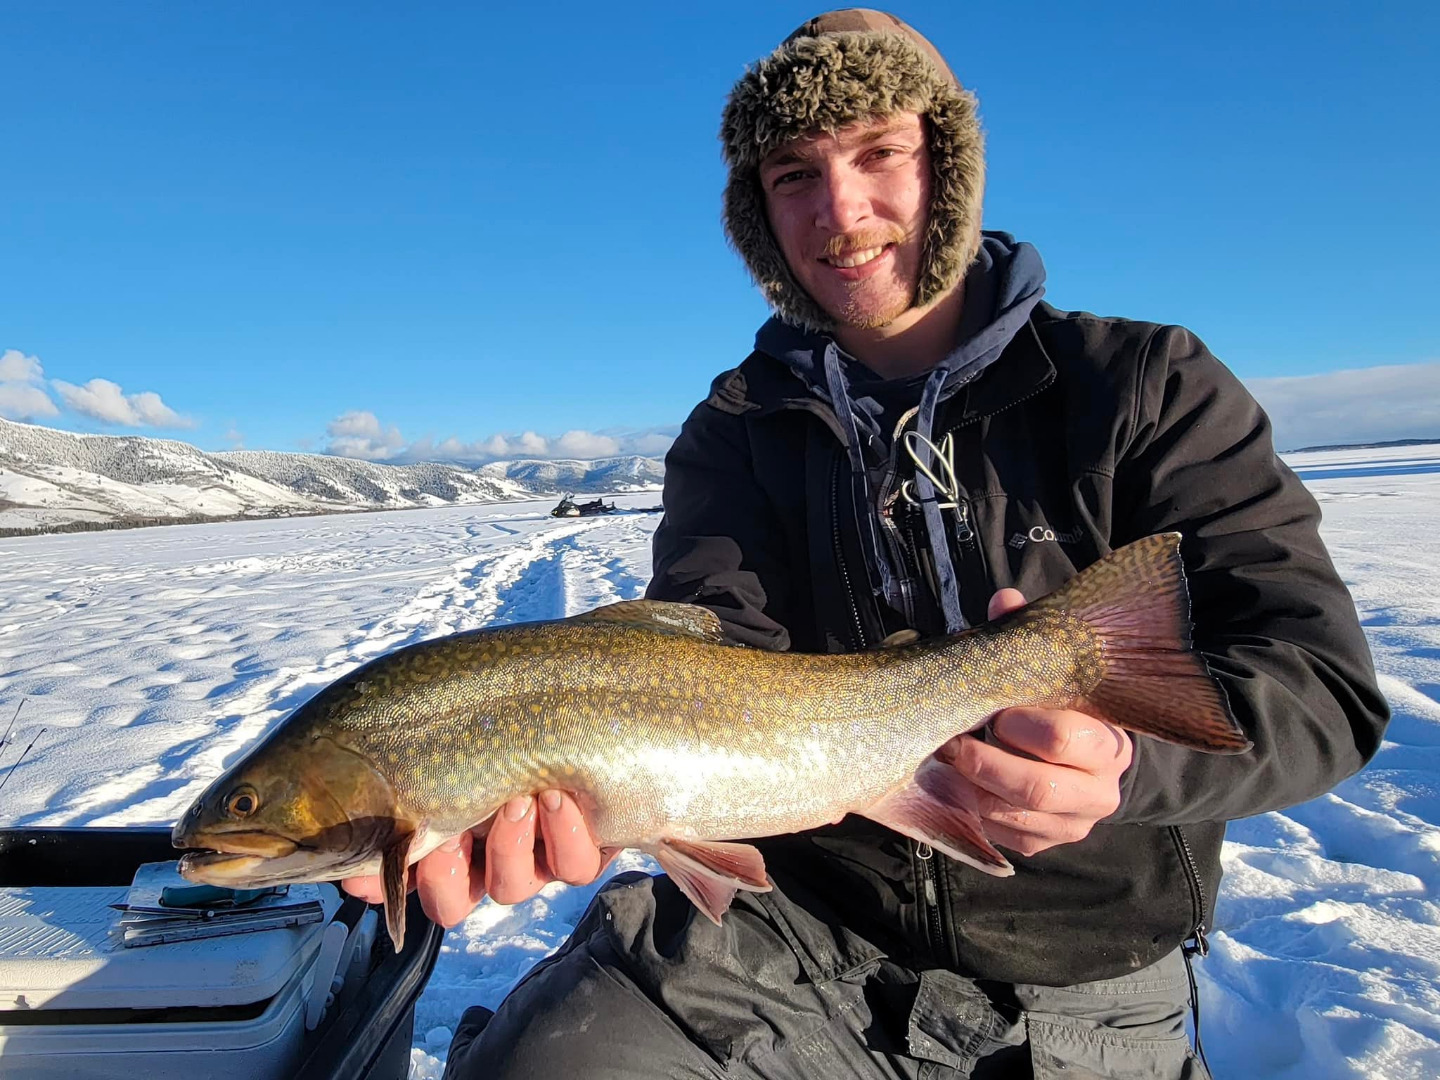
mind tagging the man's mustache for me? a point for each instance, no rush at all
(843, 244)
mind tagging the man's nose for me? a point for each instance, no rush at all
(843, 202)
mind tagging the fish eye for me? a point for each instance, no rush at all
(242, 802)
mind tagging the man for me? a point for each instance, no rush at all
(915, 431)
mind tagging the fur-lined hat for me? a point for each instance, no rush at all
(835, 69)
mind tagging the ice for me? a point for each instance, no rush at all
(153, 657)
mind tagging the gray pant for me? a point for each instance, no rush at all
(645, 988)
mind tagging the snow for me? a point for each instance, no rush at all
(153, 657)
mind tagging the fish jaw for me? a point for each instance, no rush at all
(242, 870)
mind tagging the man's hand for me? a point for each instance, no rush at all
(511, 866)
(1054, 774)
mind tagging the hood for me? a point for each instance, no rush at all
(841, 67)
(1002, 287)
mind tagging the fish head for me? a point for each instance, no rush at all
(296, 809)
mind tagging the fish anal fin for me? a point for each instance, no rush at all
(710, 872)
(663, 617)
(394, 864)
(926, 809)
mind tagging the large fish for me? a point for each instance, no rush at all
(675, 742)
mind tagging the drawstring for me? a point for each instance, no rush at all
(949, 586)
(934, 468)
(1200, 948)
(882, 576)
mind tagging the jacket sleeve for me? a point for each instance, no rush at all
(720, 543)
(1272, 617)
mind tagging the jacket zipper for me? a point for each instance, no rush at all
(929, 878)
(859, 641)
(1201, 946)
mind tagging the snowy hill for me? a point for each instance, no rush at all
(55, 479)
(602, 476)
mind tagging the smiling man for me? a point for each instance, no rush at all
(918, 443)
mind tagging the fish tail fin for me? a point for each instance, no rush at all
(1153, 681)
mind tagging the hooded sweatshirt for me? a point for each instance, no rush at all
(1002, 286)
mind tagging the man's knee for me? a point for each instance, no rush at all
(577, 1014)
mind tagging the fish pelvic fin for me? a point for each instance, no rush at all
(1137, 603)
(394, 864)
(711, 872)
(928, 809)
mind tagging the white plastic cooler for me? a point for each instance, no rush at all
(76, 1004)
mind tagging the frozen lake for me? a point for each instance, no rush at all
(152, 657)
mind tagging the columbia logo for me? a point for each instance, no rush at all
(1043, 534)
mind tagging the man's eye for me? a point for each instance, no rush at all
(791, 177)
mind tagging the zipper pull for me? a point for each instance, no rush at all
(1197, 944)
(924, 852)
(963, 532)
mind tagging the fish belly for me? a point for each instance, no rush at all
(721, 791)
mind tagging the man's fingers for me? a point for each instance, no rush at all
(510, 874)
(1004, 602)
(367, 888)
(1025, 785)
(1028, 841)
(442, 879)
(569, 849)
(1065, 737)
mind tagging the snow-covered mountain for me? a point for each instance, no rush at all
(604, 475)
(53, 479)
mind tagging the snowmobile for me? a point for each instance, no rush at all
(568, 507)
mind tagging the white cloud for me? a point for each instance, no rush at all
(360, 434)
(1378, 404)
(21, 401)
(103, 400)
(16, 367)
(583, 444)
(650, 443)
(22, 393)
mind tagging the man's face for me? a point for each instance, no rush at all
(849, 211)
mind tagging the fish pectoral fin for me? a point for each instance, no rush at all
(394, 863)
(711, 872)
(926, 809)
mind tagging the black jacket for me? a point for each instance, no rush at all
(1087, 433)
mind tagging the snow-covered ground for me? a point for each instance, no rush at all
(152, 657)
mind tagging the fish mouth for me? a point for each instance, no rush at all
(251, 871)
(243, 842)
(219, 867)
(253, 859)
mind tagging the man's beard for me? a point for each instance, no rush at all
(852, 316)
(852, 313)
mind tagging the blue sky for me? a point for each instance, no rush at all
(447, 224)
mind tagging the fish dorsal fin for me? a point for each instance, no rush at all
(900, 638)
(662, 616)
